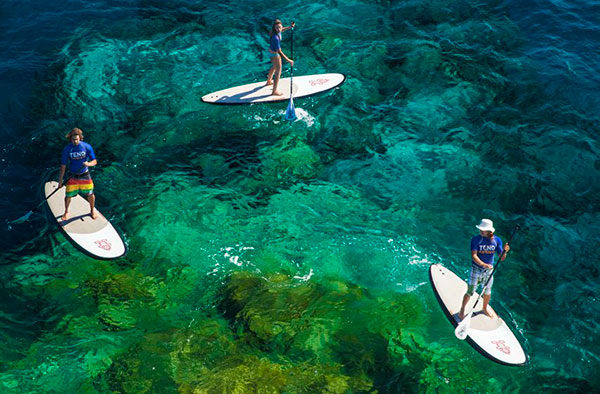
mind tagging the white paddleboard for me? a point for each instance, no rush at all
(96, 238)
(490, 337)
(305, 85)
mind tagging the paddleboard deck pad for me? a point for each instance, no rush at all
(258, 92)
(490, 337)
(96, 238)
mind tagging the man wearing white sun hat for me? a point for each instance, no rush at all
(484, 247)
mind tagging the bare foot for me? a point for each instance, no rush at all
(489, 314)
(461, 316)
(269, 83)
(94, 215)
(65, 216)
(277, 93)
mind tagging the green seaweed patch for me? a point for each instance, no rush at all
(202, 347)
(121, 286)
(208, 357)
(329, 321)
(327, 47)
(254, 374)
(117, 316)
(434, 368)
(373, 67)
(126, 300)
(289, 160)
(143, 368)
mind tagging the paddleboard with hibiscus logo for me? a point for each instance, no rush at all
(95, 237)
(490, 336)
(259, 92)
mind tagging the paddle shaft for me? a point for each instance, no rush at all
(517, 227)
(292, 66)
(49, 195)
(290, 112)
(25, 217)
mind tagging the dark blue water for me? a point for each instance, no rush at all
(309, 232)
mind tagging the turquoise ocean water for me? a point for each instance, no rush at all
(273, 257)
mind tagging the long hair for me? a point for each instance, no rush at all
(73, 132)
(276, 22)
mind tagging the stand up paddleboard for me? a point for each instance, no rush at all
(490, 337)
(258, 92)
(96, 238)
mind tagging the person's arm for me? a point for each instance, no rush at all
(91, 155)
(285, 57)
(506, 249)
(292, 25)
(479, 262)
(63, 168)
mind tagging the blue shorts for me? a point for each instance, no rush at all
(478, 277)
(271, 54)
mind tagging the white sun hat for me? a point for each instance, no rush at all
(486, 225)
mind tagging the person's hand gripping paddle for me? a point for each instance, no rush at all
(462, 329)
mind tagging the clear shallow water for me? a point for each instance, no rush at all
(295, 257)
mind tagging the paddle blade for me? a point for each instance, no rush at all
(290, 112)
(22, 219)
(462, 330)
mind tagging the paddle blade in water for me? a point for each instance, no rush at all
(462, 330)
(290, 112)
(22, 219)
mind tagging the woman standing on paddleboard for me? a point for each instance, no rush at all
(483, 249)
(276, 54)
(79, 156)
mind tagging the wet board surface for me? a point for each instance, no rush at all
(490, 337)
(96, 238)
(305, 85)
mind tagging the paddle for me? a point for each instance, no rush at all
(290, 112)
(462, 330)
(25, 217)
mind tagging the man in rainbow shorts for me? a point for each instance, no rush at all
(79, 156)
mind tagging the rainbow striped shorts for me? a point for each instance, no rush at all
(80, 184)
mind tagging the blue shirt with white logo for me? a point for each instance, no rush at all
(76, 155)
(486, 248)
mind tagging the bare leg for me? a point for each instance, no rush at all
(92, 199)
(277, 74)
(486, 301)
(270, 76)
(65, 215)
(466, 298)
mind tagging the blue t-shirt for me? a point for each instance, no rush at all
(76, 155)
(275, 42)
(486, 249)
